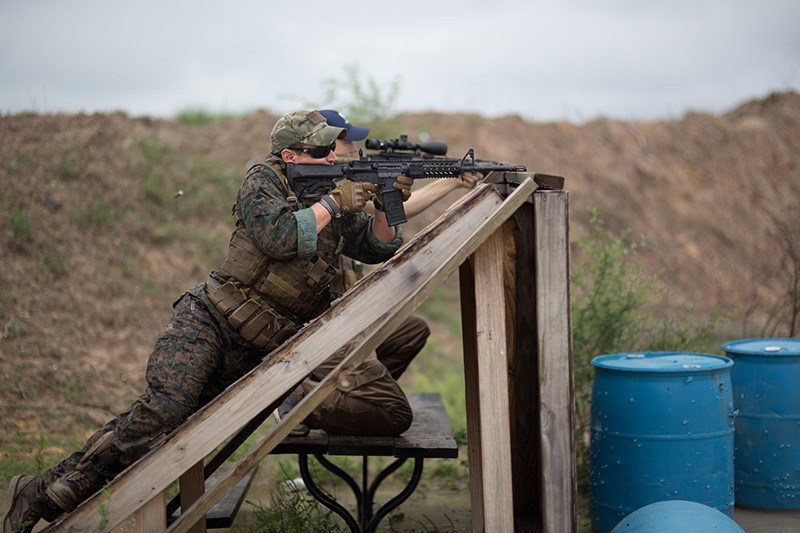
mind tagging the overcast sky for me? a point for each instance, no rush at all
(561, 60)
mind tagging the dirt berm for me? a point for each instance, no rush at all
(107, 218)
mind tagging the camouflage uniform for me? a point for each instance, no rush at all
(204, 348)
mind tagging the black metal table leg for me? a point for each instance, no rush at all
(365, 496)
(365, 511)
(395, 502)
(323, 498)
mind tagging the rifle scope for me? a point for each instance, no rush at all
(403, 145)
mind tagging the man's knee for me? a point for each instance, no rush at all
(354, 413)
(418, 329)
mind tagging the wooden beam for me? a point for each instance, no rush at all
(523, 370)
(554, 342)
(492, 365)
(193, 485)
(406, 279)
(150, 517)
(472, 397)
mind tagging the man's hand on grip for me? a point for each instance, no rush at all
(349, 197)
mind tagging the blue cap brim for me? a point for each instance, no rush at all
(356, 133)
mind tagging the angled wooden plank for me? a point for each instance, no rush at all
(492, 366)
(402, 282)
(554, 341)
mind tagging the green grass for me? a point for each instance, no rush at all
(21, 226)
(440, 368)
(23, 452)
(443, 307)
(179, 189)
(52, 261)
(291, 510)
(94, 217)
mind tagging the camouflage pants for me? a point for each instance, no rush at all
(372, 402)
(197, 355)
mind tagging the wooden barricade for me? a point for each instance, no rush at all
(512, 251)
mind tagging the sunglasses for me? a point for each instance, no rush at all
(316, 152)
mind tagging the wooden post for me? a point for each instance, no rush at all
(492, 378)
(152, 516)
(523, 364)
(554, 346)
(469, 336)
(193, 485)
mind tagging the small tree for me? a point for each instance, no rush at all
(362, 101)
(786, 310)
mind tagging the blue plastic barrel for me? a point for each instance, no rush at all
(662, 429)
(677, 516)
(766, 391)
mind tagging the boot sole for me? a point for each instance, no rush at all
(13, 485)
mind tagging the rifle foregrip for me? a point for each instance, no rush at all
(434, 169)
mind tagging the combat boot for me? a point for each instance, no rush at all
(28, 504)
(97, 466)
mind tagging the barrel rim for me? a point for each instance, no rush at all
(597, 363)
(730, 347)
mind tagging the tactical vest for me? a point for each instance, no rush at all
(349, 271)
(299, 287)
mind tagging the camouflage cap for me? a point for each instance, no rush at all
(307, 127)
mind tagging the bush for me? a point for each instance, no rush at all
(292, 511)
(612, 312)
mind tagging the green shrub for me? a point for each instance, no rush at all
(612, 312)
(292, 511)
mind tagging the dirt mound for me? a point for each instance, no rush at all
(107, 218)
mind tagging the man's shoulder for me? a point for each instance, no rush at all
(267, 169)
(264, 175)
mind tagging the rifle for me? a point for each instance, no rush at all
(313, 181)
(403, 149)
